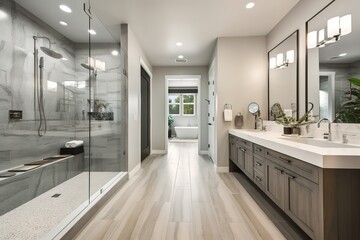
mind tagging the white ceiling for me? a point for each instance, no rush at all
(159, 24)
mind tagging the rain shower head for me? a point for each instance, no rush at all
(51, 53)
(47, 51)
(87, 66)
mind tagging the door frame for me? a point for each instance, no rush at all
(147, 70)
(198, 106)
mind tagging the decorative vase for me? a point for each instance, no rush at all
(169, 132)
(287, 130)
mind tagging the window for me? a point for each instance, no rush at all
(188, 102)
(174, 104)
(182, 104)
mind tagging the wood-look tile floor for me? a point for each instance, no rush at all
(180, 196)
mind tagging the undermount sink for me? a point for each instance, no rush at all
(319, 143)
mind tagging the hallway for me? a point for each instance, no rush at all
(180, 196)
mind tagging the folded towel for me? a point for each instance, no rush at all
(74, 143)
(227, 115)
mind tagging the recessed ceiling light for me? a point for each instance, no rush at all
(342, 54)
(63, 23)
(65, 8)
(115, 53)
(181, 56)
(65, 59)
(250, 5)
(92, 32)
(179, 44)
(3, 15)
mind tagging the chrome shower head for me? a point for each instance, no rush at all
(51, 53)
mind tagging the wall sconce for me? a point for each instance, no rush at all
(336, 27)
(279, 62)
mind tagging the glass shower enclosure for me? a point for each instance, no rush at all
(62, 114)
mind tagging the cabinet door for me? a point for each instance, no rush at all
(241, 157)
(301, 202)
(275, 183)
(232, 149)
(249, 164)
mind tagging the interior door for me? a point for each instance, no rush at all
(211, 112)
(145, 114)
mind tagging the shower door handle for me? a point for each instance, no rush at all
(209, 124)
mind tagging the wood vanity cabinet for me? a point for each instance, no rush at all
(293, 192)
(245, 157)
(324, 203)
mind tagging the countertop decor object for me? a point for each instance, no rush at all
(291, 125)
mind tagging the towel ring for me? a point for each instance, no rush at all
(228, 106)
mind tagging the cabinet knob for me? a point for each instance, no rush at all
(258, 164)
(285, 159)
(280, 170)
(290, 176)
(258, 179)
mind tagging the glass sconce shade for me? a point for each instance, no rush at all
(345, 24)
(312, 39)
(290, 56)
(279, 59)
(333, 27)
(272, 63)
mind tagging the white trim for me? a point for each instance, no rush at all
(221, 169)
(135, 170)
(158, 152)
(202, 152)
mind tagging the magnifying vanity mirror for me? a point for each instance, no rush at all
(254, 108)
(283, 76)
(333, 62)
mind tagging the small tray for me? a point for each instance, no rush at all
(23, 168)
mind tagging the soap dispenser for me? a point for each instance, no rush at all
(259, 123)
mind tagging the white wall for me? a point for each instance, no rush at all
(158, 102)
(135, 53)
(294, 20)
(241, 79)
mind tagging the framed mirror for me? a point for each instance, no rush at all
(283, 76)
(333, 62)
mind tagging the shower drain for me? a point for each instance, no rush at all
(56, 195)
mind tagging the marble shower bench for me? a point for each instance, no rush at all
(19, 189)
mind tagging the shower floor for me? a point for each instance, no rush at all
(36, 218)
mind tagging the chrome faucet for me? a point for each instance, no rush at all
(329, 138)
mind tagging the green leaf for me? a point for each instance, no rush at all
(355, 81)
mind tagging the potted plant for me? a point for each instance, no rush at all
(350, 110)
(170, 121)
(291, 125)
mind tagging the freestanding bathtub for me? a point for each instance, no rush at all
(186, 132)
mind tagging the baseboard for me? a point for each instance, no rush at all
(135, 170)
(158, 151)
(202, 152)
(73, 228)
(221, 169)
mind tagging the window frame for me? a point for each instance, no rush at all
(179, 104)
(184, 104)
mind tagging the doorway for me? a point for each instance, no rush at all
(182, 98)
(145, 114)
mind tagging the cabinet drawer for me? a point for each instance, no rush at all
(259, 179)
(245, 144)
(259, 164)
(259, 150)
(304, 169)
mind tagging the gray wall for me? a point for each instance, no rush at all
(158, 103)
(135, 53)
(241, 79)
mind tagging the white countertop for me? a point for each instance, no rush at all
(346, 158)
